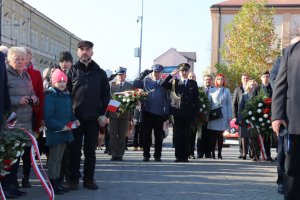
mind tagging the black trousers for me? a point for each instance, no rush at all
(26, 162)
(107, 139)
(216, 136)
(182, 134)
(203, 143)
(193, 141)
(291, 180)
(138, 135)
(267, 145)
(155, 122)
(88, 130)
(280, 159)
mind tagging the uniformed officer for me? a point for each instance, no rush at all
(154, 110)
(118, 125)
(184, 106)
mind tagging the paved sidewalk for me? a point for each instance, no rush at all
(207, 179)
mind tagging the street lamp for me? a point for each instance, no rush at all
(140, 19)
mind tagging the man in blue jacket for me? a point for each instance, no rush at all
(154, 109)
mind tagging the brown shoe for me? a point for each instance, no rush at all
(90, 184)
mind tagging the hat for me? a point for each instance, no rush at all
(57, 76)
(157, 68)
(184, 67)
(85, 43)
(65, 56)
(121, 70)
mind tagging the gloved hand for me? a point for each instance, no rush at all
(112, 76)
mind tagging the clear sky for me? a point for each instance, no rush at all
(112, 26)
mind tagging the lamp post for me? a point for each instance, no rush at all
(140, 19)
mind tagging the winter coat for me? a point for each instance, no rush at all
(18, 87)
(37, 83)
(224, 101)
(4, 95)
(89, 89)
(57, 114)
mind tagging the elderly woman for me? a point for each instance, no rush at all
(220, 98)
(245, 134)
(22, 98)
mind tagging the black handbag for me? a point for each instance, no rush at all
(215, 114)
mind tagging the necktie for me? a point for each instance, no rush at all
(121, 85)
(207, 90)
(184, 82)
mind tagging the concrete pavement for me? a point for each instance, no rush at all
(200, 179)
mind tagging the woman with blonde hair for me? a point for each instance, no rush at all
(220, 98)
(245, 134)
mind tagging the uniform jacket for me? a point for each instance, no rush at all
(225, 102)
(58, 112)
(157, 101)
(286, 95)
(37, 83)
(18, 87)
(237, 95)
(190, 102)
(116, 87)
(4, 95)
(89, 89)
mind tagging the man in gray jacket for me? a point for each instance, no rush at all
(285, 113)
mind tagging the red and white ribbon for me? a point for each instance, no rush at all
(262, 147)
(40, 172)
(2, 193)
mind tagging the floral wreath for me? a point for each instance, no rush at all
(257, 114)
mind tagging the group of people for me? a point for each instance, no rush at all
(69, 103)
(66, 106)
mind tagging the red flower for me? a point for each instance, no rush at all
(7, 162)
(266, 110)
(134, 94)
(7, 168)
(268, 101)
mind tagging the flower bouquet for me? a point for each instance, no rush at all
(12, 141)
(205, 106)
(129, 99)
(257, 114)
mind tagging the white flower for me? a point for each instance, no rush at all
(201, 109)
(258, 110)
(124, 100)
(126, 94)
(120, 96)
(17, 143)
(128, 100)
(260, 119)
(2, 149)
(247, 121)
(18, 153)
(260, 105)
(262, 124)
(270, 127)
(203, 106)
(201, 99)
(266, 116)
(268, 121)
(249, 113)
(253, 118)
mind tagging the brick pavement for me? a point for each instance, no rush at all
(200, 179)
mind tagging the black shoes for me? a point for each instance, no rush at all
(280, 189)
(90, 184)
(146, 159)
(26, 183)
(74, 186)
(270, 159)
(157, 159)
(191, 157)
(116, 159)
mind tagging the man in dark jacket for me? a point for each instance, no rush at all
(185, 105)
(4, 96)
(237, 96)
(285, 112)
(89, 87)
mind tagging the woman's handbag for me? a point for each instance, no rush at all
(215, 114)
